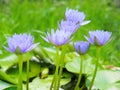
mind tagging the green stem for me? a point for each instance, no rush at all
(61, 63)
(55, 78)
(20, 60)
(27, 83)
(52, 82)
(80, 74)
(57, 69)
(96, 67)
(60, 73)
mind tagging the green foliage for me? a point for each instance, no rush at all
(39, 16)
(107, 80)
(3, 85)
(41, 75)
(44, 84)
(73, 66)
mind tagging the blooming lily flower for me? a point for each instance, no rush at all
(58, 38)
(75, 16)
(81, 47)
(98, 37)
(20, 43)
(69, 26)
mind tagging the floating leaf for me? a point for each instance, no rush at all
(4, 76)
(35, 69)
(46, 54)
(44, 84)
(4, 85)
(107, 80)
(11, 88)
(10, 60)
(74, 65)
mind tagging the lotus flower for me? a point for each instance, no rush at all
(81, 47)
(58, 38)
(98, 37)
(75, 16)
(20, 43)
(69, 26)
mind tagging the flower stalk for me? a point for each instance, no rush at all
(54, 83)
(81, 47)
(20, 60)
(80, 74)
(96, 68)
(61, 63)
(57, 69)
(27, 83)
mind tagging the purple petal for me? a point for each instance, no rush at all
(98, 37)
(21, 41)
(58, 38)
(32, 47)
(8, 49)
(81, 47)
(89, 40)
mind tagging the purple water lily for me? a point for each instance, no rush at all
(69, 26)
(81, 47)
(20, 43)
(58, 38)
(75, 16)
(98, 37)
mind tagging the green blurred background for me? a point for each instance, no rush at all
(38, 16)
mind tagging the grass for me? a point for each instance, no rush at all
(37, 16)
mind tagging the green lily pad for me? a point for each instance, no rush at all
(4, 85)
(70, 56)
(35, 69)
(44, 84)
(4, 76)
(11, 88)
(46, 54)
(8, 61)
(107, 80)
(49, 55)
(74, 65)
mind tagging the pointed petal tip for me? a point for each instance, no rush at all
(32, 47)
(44, 38)
(8, 49)
(85, 22)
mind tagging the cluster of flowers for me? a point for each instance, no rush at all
(22, 43)
(61, 36)
(67, 28)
